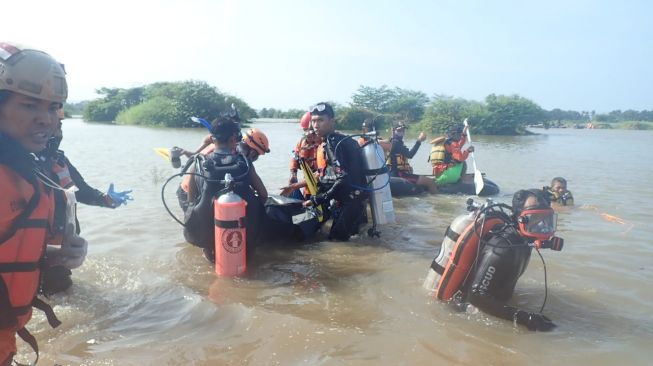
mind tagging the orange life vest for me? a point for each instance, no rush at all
(63, 173)
(305, 151)
(321, 159)
(26, 214)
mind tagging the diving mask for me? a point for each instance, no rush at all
(539, 224)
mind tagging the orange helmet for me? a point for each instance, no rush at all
(305, 122)
(257, 140)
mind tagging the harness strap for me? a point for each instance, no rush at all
(29, 339)
(47, 310)
(451, 234)
(33, 223)
(19, 267)
(437, 267)
(231, 224)
(22, 219)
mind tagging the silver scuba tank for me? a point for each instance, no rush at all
(438, 265)
(377, 176)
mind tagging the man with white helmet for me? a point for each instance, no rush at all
(32, 89)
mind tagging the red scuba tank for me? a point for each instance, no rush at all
(230, 235)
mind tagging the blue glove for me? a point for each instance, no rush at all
(119, 198)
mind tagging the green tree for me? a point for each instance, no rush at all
(509, 115)
(164, 103)
(351, 118)
(443, 111)
(409, 105)
(374, 99)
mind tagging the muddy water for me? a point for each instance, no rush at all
(145, 297)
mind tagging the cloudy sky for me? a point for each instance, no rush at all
(578, 54)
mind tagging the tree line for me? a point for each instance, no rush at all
(495, 115)
(171, 104)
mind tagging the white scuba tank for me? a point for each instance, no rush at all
(448, 244)
(377, 176)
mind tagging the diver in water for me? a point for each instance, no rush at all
(196, 193)
(558, 192)
(56, 278)
(340, 166)
(491, 271)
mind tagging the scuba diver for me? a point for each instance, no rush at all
(484, 272)
(196, 193)
(32, 88)
(206, 179)
(447, 156)
(558, 192)
(369, 125)
(56, 277)
(398, 159)
(340, 167)
(306, 150)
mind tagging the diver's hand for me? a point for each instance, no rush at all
(73, 248)
(470, 149)
(307, 203)
(421, 137)
(119, 198)
(534, 321)
(287, 190)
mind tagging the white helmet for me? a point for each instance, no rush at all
(31, 72)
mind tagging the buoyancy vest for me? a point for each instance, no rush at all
(185, 181)
(199, 223)
(62, 172)
(29, 209)
(60, 168)
(327, 171)
(402, 164)
(464, 255)
(306, 151)
(438, 154)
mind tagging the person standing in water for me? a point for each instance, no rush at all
(56, 277)
(32, 88)
(340, 166)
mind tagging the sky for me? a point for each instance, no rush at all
(573, 54)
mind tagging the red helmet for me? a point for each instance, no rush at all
(305, 122)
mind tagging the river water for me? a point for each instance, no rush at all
(145, 297)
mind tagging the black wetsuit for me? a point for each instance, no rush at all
(342, 181)
(199, 215)
(399, 148)
(502, 260)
